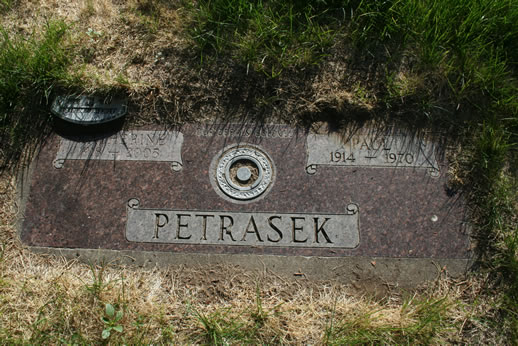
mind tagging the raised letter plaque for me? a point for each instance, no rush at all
(164, 146)
(243, 228)
(365, 150)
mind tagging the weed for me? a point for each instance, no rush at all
(93, 34)
(111, 321)
(98, 283)
(259, 315)
(220, 327)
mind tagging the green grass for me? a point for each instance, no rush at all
(30, 70)
(464, 55)
(5, 5)
(465, 51)
(495, 199)
(267, 36)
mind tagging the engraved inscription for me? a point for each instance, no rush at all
(240, 131)
(243, 228)
(370, 151)
(165, 146)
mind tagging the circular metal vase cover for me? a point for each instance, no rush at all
(88, 110)
(244, 172)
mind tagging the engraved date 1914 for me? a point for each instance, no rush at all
(389, 158)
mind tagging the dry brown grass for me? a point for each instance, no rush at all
(117, 40)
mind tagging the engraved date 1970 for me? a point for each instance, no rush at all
(341, 156)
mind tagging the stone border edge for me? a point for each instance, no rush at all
(23, 188)
(379, 271)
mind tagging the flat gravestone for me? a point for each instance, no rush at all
(369, 205)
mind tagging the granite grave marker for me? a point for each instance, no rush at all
(249, 194)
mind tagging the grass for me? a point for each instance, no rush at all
(5, 5)
(443, 65)
(465, 52)
(30, 70)
(267, 36)
(462, 53)
(429, 320)
(248, 325)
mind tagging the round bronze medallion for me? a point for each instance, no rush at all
(244, 172)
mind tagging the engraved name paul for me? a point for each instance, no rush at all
(362, 150)
(165, 146)
(241, 228)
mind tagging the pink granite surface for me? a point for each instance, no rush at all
(83, 204)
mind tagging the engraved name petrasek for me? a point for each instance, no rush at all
(396, 151)
(165, 146)
(242, 228)
(240, 131)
